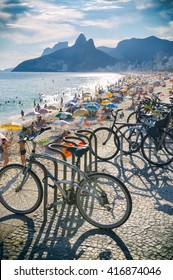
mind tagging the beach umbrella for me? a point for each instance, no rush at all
(2, 136)
(53, 107)
(60, 122)
(92, 108)
(102, 96)
(11, 126)
(116, 94)
(128, 97)
(64, 115)
(32, 114)
(80, 112)
(73, 101)
(111, 106)
(110, 94)
(94, 104)
(105, 102)
(86, 94)
(70, 104)
(44, 111)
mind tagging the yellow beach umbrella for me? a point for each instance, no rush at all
(80, 112)
(110, 94)
(105, 102)
(11, 126)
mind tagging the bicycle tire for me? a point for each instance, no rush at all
(25, 200)
(132, 118)
(161, 157)
(108, 150)
(113, 194)
(131, 139)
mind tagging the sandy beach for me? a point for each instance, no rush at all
(140, 85)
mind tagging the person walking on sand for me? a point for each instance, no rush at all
(22, 145)
(5, 148)
(61, 101)
(22, 114)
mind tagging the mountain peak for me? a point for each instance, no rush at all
(81, 40)
(90, 43)
(56, 47)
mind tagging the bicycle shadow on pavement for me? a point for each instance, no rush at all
(148, 180)
(65, 236)
(84, 246)
(17, 231)
(81, 244)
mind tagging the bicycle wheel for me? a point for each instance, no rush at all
(132, 117)
(19, 192)
(131, 138)
(108, 143)
(158, 156)
(107, 205)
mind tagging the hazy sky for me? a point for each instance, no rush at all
(27, 27)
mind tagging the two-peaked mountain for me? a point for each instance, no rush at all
(149, 53)
(82, 56)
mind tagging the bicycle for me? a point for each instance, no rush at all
(155, 142)
(149, 106)
(108, 138)
(102, 199)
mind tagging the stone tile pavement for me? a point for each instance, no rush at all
(148, 233)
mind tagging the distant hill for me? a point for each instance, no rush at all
(82, 56)
(139, 49)
(56, 47)
(149, 53)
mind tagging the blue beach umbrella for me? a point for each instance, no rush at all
(64, 115)
(111, 106)
(92, 108)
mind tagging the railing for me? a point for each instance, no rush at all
(86, 162)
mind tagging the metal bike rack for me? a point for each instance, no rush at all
(87, 160)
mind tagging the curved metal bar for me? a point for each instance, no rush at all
(79, 133)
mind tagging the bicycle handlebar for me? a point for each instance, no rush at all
(116, 112)
(34, 135)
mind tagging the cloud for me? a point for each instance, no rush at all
(43, 22)
(165, 32)
(149, 4)
(4, 16)
(106, 42)
(15, 58)
(145, 4)
(112, 22)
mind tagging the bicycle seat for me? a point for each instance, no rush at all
(147, 116)
(78, 151)
(164, 122)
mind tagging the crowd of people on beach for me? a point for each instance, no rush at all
(133, 86)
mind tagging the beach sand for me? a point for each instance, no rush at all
(92, 122)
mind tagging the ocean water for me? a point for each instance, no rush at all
(18, 91)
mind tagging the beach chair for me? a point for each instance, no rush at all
(86, 123)
(81, 121)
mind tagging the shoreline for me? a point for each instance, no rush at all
(31, 86)
(93, 122)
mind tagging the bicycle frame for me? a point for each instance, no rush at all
(117, 129)
(33, 160)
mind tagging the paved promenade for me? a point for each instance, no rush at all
(148, 233)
